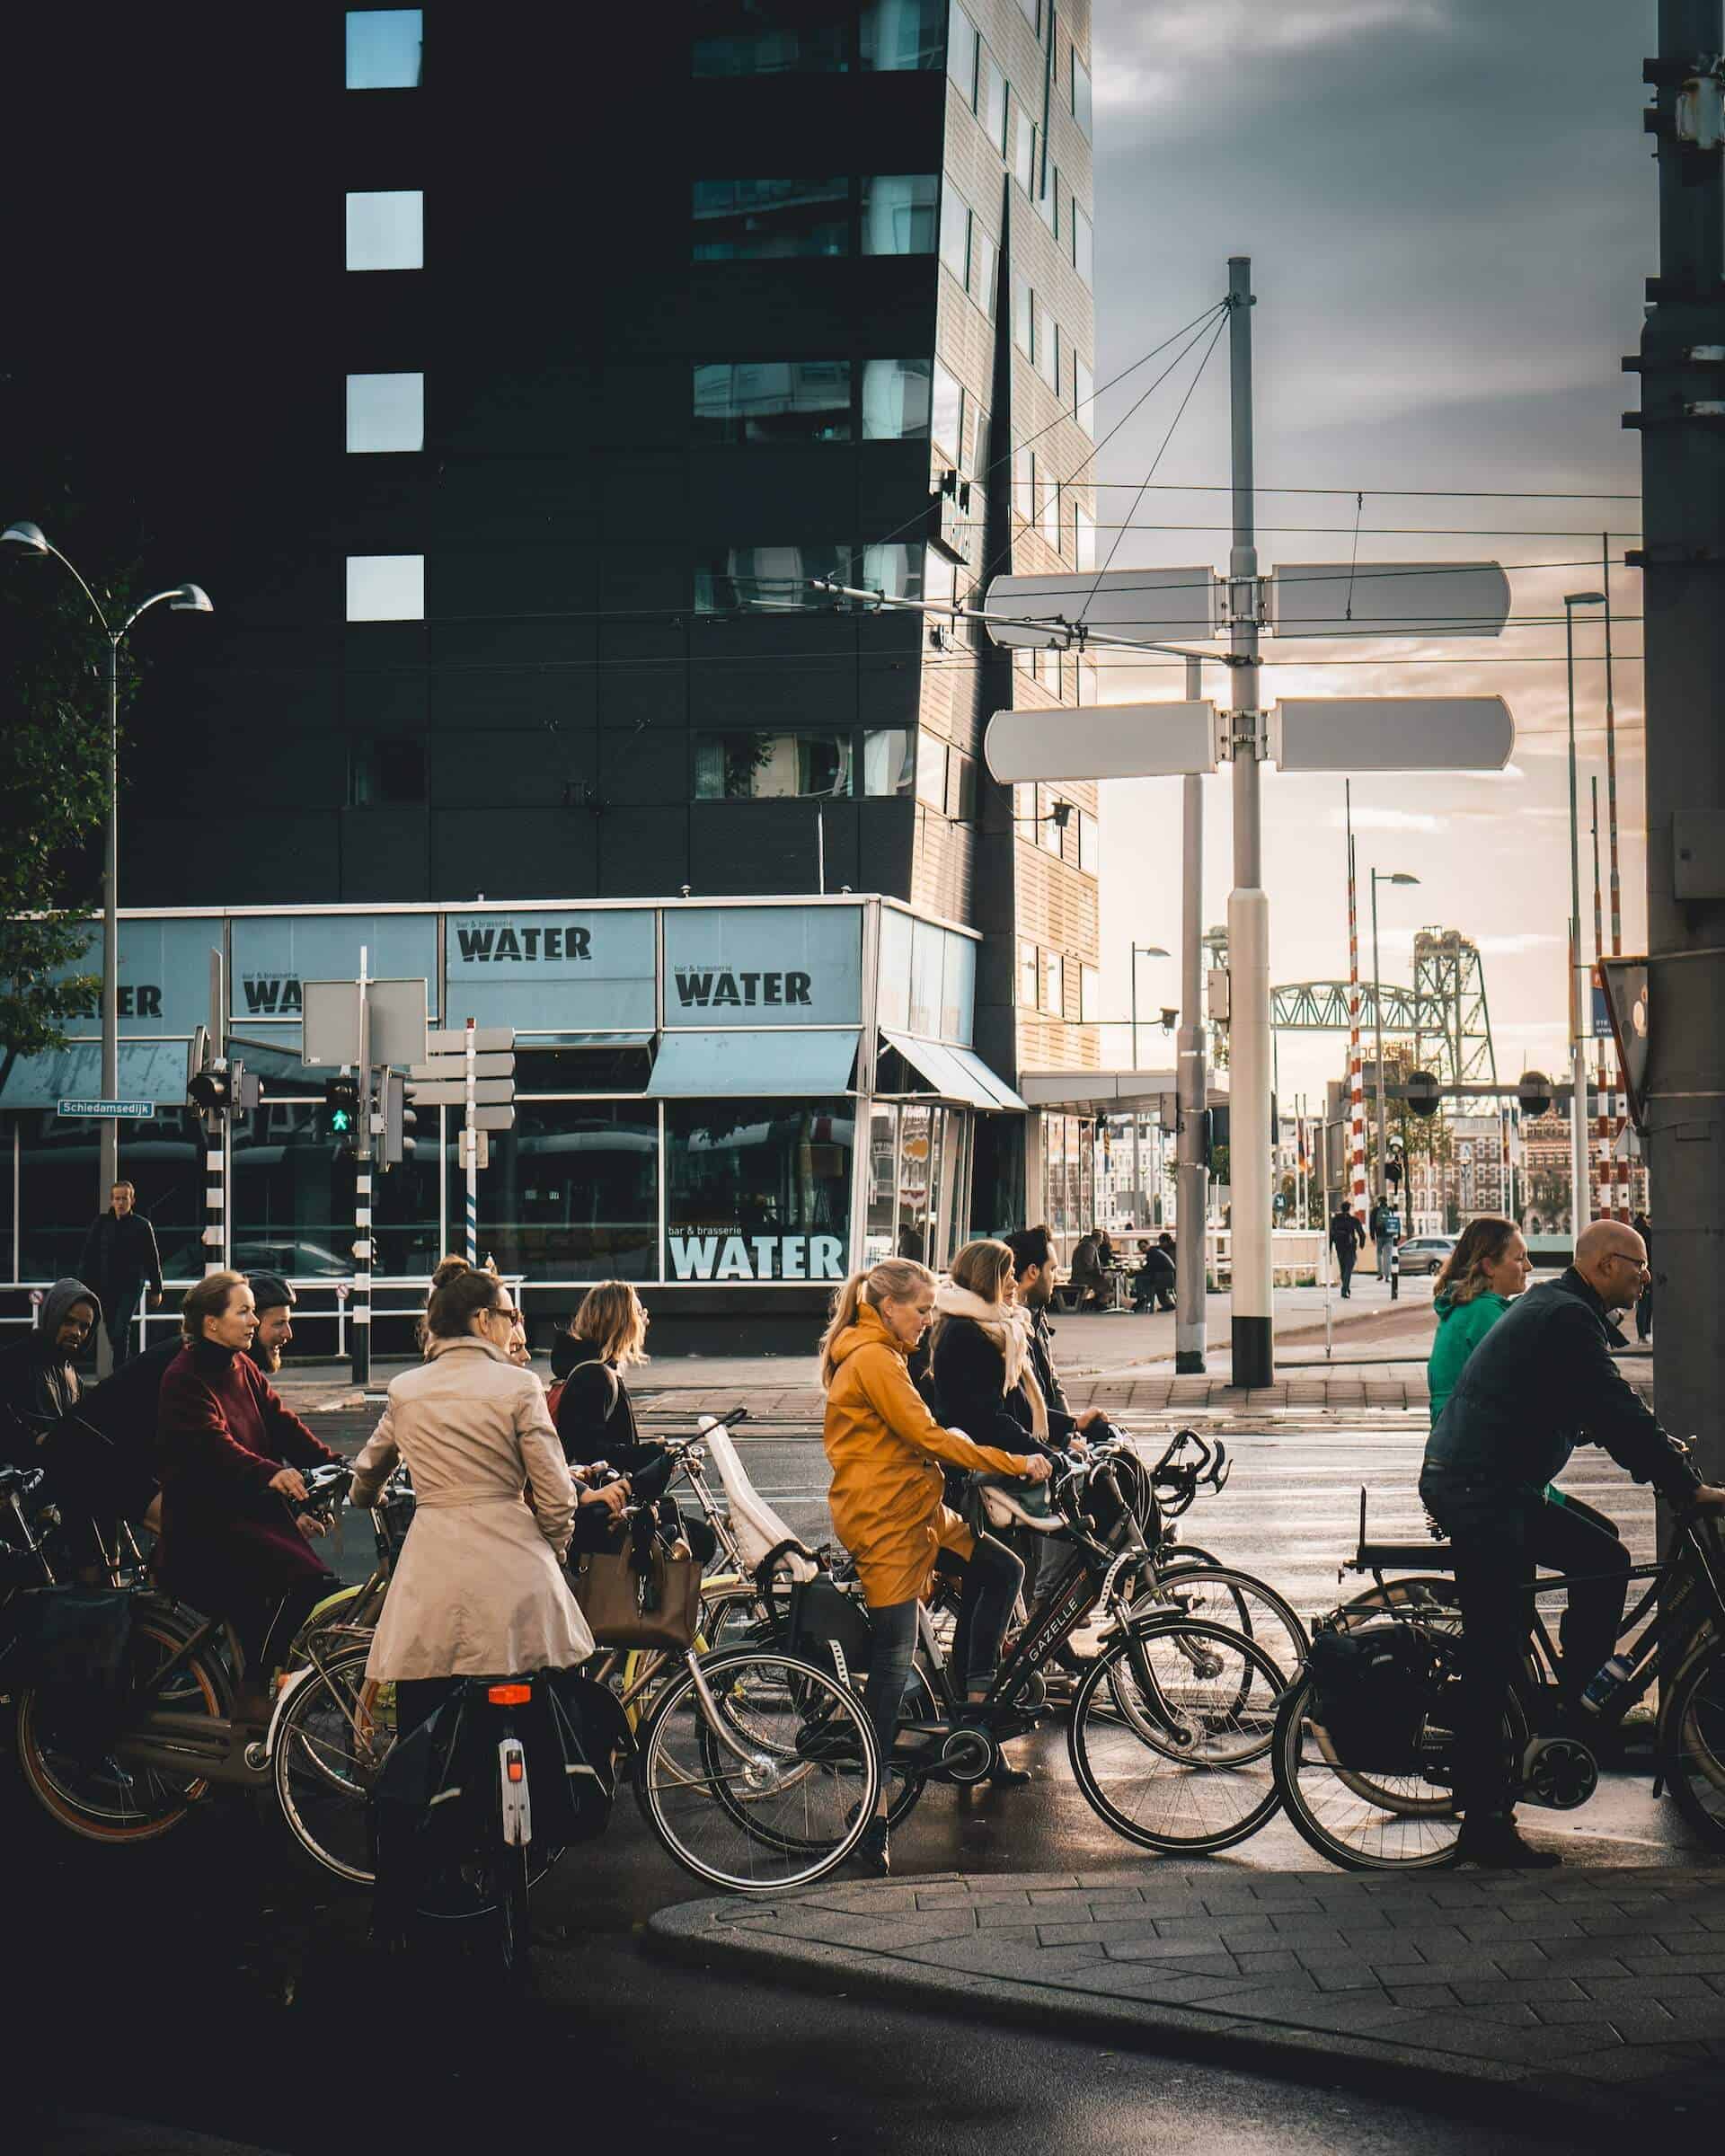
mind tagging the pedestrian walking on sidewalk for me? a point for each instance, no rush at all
(1384, 1236)
(120, 1261)
(1643, 1227)
(1347, 1235)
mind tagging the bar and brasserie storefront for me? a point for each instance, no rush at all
(730, 1103)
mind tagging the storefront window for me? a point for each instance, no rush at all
(294, 1200)
(759, 1189)
(571, 1192)
(883, 1178)
(917, 1196)
(742, 767)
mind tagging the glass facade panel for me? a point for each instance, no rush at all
(991, 102)
(758, 1189)
(1054, 986)
(927, 971)
(931, 777)
(1089, 992)
(293, 1198)
(383, 773)
(1031, 12)
(895, 399)
(1081, 98)
(899, 213)
(571, 1192)
(1024, 159)
(1090, 843)
(558, 972)
(752, 766)
(1083, 529)
(1084, 245)
(894, 568)
(1047, 357)
(946, 412)
(386, 231)
(1024, 482)
(771, 37)
(385, 413)
(773, 401)
(751, 967)
(1050, 518)
(919, 1179)
(383, 48)
(962, 46)
(738, 579)
(955, 232)
(888, 765)
(883, 1183)
(760, 220)
(1023, 315)
(386, 587)
(984, 269)
(1083, 392)
(1029, 976)
(899, 35)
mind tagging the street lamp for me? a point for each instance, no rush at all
(1381, 876)
(1139, 950)
(1580, 999)
(184, 598)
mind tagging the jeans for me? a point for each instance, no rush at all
(1499, 1536)
(117, 1321)
(992, 1575)
(1345, 1259)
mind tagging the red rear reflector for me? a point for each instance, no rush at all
(509, 1695)
(517, 1773)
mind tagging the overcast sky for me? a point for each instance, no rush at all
(1450, 209)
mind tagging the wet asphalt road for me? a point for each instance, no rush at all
(212, 1984)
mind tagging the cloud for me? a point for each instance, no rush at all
(1146, 61)
(1513, 946)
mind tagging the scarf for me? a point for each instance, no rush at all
(1008, 1326)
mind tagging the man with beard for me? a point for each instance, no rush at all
(275, 1301)
(38, 1381)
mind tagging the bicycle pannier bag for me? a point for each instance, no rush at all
(830, 1627)
(1372, 1689)
(631, 1597)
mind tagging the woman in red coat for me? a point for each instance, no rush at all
(230, 1456)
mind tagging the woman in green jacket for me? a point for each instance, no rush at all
(1489, 1265)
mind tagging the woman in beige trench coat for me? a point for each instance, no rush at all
(478, 1590)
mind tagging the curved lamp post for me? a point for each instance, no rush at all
(184, 598)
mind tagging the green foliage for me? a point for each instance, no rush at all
(54, 787)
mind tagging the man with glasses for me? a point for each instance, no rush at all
(39, 1382)
(1539, 1382)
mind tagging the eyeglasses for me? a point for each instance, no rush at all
(505, 1311)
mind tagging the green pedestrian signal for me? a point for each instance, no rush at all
(341, 1109)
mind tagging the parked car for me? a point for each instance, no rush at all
(1426, 1254)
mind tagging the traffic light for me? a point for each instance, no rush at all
(1534, 1093)
(211, 1090)
(399, 1120)
(341, 1109)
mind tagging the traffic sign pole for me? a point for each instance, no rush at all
(470, 1145)
(1248, 1037)
(361, 1362)
(1191, 1172)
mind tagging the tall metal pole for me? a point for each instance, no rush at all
(1579, 1209)
(1616, 1205)
(110, 938)
(1377, 1025)
(360, 1364)
(1136, 1116)
(1191, 1174)
(470, 1158)
(1683, 488)
(1254, 1321)
(1600, 1150)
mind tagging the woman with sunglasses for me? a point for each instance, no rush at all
(478, 1590)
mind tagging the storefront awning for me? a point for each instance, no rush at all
(739, 1065)
(954, 1073)
(582, 1040)
(149, 1070)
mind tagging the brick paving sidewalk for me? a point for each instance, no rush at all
(1596, 1990)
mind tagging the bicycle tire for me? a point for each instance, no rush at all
(1104, 1744)
(315, 1768)
(1256, 1609)
(725, 1834)
(1417, 1827)
(148, 1802)
(1692, 1740)
(514, 1889)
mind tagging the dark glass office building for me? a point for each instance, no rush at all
(540, 390)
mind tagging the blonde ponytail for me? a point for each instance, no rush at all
(893, 1280)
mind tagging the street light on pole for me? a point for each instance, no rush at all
(1381, 876)
(1580, 999)
(1139, 950)
(183, 598)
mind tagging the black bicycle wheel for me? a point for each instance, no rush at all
(1219, 1595)
(1692, 1740)
(1186, 1767)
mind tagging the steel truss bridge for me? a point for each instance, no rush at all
(1445, 1014)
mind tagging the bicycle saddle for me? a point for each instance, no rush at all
(1007, 1502)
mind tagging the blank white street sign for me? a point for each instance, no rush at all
(331, 1018)
(1156, 603)
(451, 1092)
(456, 1067)
(452, 1040)
(493, 1118)
(1389, 598)
(1391, 733)
(1101, 741)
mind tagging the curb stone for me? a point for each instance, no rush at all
(867, 1962)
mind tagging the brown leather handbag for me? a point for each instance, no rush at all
(634, 1597)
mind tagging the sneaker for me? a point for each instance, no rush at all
(873, 1854)
(1496, 1845)
(1006, 1777)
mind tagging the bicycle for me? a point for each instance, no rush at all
(1390, 1805)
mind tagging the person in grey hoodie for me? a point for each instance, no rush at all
(38, 1381)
